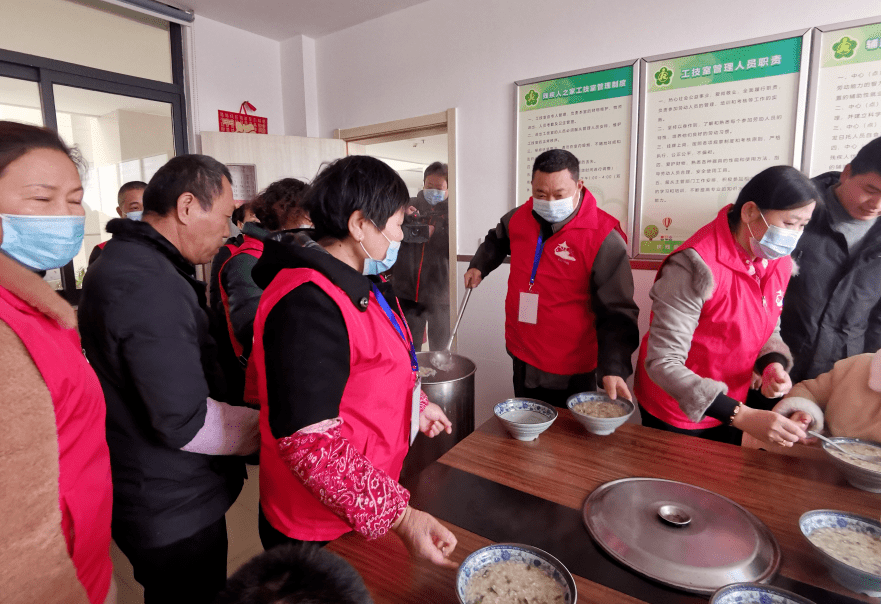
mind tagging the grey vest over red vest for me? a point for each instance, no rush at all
(736, 321)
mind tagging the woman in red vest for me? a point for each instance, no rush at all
(55, 491)
(715, 322)
(336, 372)
(278, 211)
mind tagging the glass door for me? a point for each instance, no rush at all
(123, 139)
(20, 101)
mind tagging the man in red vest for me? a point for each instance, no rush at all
(570, 317)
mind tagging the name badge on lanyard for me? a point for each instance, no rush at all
(414, 363)
(528, 311)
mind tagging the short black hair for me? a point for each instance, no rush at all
(556, 160)
(867, 159)
(135, 185)
(775, 188)
(200, 175)
(356, 182)
(280, 202)
(238, 215)
(295, 574)
(16, 139)
(436, 168)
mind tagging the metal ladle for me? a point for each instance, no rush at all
(869, 458)
(443, 359)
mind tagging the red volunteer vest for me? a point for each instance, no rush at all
(563, 340)
(101, 245)
(375, 407)
(84, 486)
(734, 323)
(232, 247)
(253, 247)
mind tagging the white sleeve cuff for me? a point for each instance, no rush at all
(788, 406)
(228, 430)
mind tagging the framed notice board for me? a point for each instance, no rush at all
(709, 120)
(590, 113)
(844, 103)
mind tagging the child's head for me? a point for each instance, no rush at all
(295, 574)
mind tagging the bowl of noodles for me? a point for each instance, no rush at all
(864, 475)
(849, 547)
(597, 412)
(514, 572)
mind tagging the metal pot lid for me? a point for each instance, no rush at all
(681, 535)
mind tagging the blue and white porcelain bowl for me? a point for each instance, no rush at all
(515, 552)
(850, 577)
(862, 478)
(601, 426)
(525, 418)
(756, 593)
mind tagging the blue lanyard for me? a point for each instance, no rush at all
(414, 364)
(538, 251)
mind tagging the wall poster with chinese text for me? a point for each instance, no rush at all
(709, 122)
(844, 107)
(590, 114)
(244, 182)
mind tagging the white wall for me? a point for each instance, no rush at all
(467, 54)
(299, 87)
(232, 66)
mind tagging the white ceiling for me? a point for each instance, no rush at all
(284, 19)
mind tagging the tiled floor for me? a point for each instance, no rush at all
(244, 542)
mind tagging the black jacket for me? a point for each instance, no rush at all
(144, 328)
(422, 270)
(832, 308)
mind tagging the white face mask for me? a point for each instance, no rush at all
(555, 210)
(777, 242)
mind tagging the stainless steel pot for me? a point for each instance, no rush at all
(453, 391)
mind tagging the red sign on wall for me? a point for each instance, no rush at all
(230, 121)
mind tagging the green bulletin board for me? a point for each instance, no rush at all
(709, 122)
(590, 114)
(845, 96)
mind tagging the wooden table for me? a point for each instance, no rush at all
(533, 492)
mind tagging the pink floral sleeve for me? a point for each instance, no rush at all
(343, 479)
(423, 401)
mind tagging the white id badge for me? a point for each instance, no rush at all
(528, 308)
(414, 412)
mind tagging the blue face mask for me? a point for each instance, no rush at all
(136, 216)
(556, 210)
(434, 196)
(777, 242)
(377, 267)
(42, 242)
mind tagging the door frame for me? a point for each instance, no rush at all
(414, 127)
